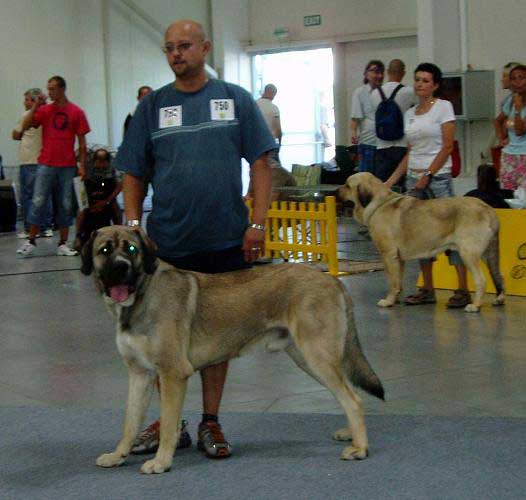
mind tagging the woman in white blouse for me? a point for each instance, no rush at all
(430, 131)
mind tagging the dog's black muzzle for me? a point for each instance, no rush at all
(118, 271)
(347, 205)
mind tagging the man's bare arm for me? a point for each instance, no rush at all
(133, 192)
(82, 155)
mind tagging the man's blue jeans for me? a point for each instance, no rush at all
(27, 176)
(48, 181)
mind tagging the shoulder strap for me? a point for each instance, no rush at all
(395, 91)
(382, 93)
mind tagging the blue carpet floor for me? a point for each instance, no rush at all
(49, 453)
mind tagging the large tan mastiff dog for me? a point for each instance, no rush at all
(172, 323)
(405, 228)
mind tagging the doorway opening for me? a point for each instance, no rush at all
(304, 79)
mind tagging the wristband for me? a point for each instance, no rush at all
(259, 227)
(133, 223)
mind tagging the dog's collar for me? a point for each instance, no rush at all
(385, 202)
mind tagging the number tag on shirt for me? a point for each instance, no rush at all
(222, 109)
(171, 117)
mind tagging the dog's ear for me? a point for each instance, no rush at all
(149, 252)
(364, 196)
(87, 255)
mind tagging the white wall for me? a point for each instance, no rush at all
(339, 18)
(230, 33)
(496, 35)
(65, 37)
(38, 40)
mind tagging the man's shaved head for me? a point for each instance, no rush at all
(186, 27)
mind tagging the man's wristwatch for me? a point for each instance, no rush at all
(259, 227)
(133, 223)
(428, 173)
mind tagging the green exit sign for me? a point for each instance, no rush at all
(312, 20)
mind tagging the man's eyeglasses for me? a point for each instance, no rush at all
(181, 47)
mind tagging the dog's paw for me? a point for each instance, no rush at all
(472, 308)
(354, 453)
(110, 460)
(155, 466)
(385, 303)
(342, 435)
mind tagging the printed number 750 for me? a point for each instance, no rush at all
(221, 105)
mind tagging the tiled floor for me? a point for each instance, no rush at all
(58, 349)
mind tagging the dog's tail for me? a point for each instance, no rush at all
(356, 365)
(491, 258)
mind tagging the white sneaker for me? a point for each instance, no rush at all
(65, 251)
(48, 233)
(26, 249)
(22, 235)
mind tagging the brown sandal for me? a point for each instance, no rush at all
(461, 298)
(423, 296)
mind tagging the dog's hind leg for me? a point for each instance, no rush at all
(140, 390)
(173, 390)
(326, 367)
(491, 258)
(472, 263)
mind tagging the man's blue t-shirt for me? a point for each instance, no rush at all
(194, 142)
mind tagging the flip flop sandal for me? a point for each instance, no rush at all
(421, 297)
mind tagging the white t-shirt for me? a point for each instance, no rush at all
(363, 110)
(405, 98)
(424, 135)
(30, 144)
(271, 114)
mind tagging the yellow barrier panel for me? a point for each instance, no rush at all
(307, 232)
(512, 238)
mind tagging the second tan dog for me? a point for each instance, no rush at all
(405, 228)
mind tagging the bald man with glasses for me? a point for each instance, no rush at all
(195, 132)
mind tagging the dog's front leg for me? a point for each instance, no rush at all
(173, 390)
(139, 395)
(394, 270)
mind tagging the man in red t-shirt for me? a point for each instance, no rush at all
(61, 122)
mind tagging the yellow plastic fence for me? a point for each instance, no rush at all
(302, 231)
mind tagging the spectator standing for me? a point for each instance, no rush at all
(271, 114)
(430, 132)
(389, 154)
(28, 151)
(362, 115)
(512, 133)
(61, 122)
(142, 92)
(194, 132)
(495, 146)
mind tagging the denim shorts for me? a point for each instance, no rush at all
(442, 187)
(60, 180)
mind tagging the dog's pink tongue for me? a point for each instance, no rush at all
(119, 293)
